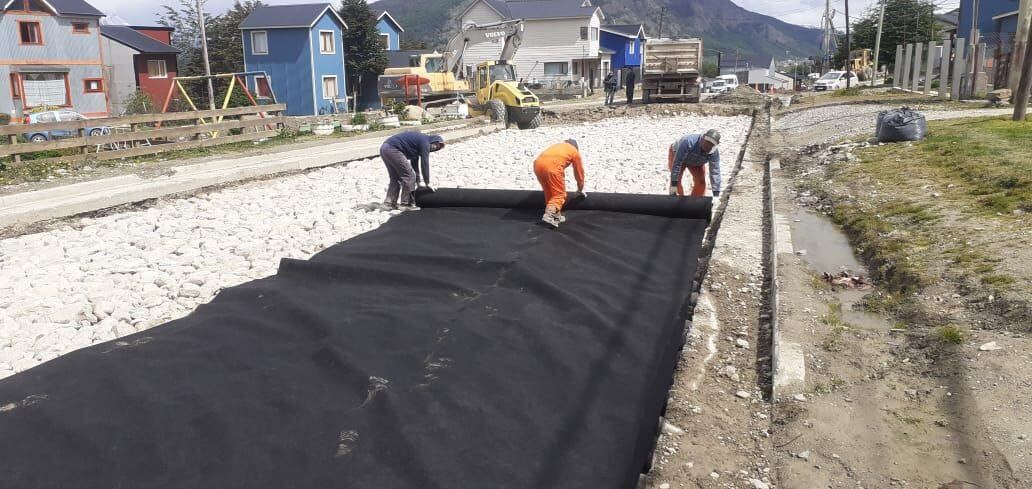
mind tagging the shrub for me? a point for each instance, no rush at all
(359, 119)
(140, 103)
(4, 119)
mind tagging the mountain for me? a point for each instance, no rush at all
(721, 24)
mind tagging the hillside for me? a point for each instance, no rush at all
(722, 24)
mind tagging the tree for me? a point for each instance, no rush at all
(413, 45)
(363, 50)
(906, 21)
(710, 70)
(225, 42)
(187, 39)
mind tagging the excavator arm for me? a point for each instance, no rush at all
(510, 32)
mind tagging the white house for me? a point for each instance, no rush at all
(759, 73)
(560, 42)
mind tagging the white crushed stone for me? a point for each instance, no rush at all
(97, 279)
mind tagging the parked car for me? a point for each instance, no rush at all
(59, 116)
(718, 86)
(730, 82)
(835, 80)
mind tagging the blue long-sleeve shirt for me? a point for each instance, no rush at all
(416, 147)
(688, 152)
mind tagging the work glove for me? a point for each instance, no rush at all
(424, 187)
(672, 190)
(582, 194)
(716, 193)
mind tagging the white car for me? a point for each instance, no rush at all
(835, 80)
(730, 82)
(717, 86)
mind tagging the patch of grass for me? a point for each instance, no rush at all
(950, 334)
(847, 92)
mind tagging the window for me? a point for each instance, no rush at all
(31, 32)
(259, 42)
(326, 43)
(385, 39)
(557, 69)
(93, 85)
(45, 117)
(329, 87)
(45, 89)
(80, 28)
(69, 116)
(583, 33)
(594, 33)
(261, 87)
(15, 87)
(156, 68)
(632, 47)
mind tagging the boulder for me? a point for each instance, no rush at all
(413, 113)
(1002, 95)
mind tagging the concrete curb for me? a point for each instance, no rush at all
(69, 200)
(787, 359)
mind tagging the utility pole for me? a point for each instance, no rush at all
(849, 50)
(1024, 81)
(204, 50)
(720, 57)
(877, 44)
(1017, 67)
(662, 13)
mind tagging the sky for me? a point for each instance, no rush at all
(802, 12)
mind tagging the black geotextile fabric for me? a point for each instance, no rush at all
(651, 205)
(451, 348)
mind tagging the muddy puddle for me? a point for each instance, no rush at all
(825, 249)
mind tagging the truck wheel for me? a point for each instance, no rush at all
(533, 123)
(646, 97)
(496, 109)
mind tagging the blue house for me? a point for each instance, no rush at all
(301, 48)
(390, 30)
(997, 21)
(627, 41)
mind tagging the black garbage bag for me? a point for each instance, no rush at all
(898, 125)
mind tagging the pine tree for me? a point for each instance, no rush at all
(363, 50)
(906, 21)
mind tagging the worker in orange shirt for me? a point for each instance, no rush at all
(550, 168)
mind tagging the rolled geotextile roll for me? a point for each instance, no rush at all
(651, 205)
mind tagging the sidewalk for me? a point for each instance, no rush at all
(68, 200)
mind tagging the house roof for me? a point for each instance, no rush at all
(66, 7)
(380, 14)
(289, 16)
(130, 37)
(605, 50)
(632, 31)
(950, 18)
(540, 9)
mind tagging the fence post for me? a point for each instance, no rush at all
(907, 63)
(915, 83)
(897, 69)
(979, 78)
(958, 69)
(944, 68)
(17, 156)
(929, 68)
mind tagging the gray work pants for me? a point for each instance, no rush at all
(403, 178)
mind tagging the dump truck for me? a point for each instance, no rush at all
(671, 70)
(442, 87)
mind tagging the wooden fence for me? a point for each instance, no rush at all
(143, 134)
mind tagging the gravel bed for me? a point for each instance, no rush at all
(845, 121)
(97, 279)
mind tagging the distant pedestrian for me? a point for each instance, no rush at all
(407, 156)
(629, 81)
(550, 169)
(694, 152)
(609, 83)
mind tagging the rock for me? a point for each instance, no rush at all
(800, 252)
(805, 455)
(413, 113)
(799, 397)
(671, 429)
(758, 484)
(664, 486)
(743, 394)
(189, 290)
(741, 343)
(1021, 437)
(714, 475)
(910, 392)
(962, 461)
(998, 96)
(696, 410)
(990, 346)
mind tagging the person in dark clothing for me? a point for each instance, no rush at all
(630, 79)
(407, 156)
(609, 83)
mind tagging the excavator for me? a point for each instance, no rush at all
(493, 84)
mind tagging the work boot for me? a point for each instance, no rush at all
(408, 207)
(388, 206)
(562, 218)
(552, 219)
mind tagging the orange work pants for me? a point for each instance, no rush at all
(698, 177)
(553, 183)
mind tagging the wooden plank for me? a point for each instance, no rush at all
(148, 150)
(18, 129)
(168, 132)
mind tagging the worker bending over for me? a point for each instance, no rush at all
(550, 168)
(693, 152)
(406, 156)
